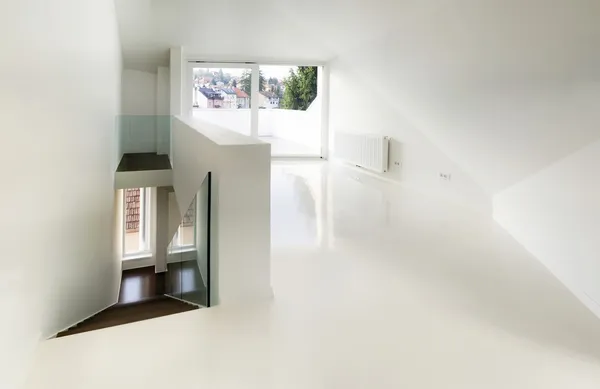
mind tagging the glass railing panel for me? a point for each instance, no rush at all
(189, 251)
(203, 220)
(144, 133)
(174, 264)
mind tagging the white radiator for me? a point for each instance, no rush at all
(364, 150)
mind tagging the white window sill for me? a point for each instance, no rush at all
(132, 257)
(183, 249)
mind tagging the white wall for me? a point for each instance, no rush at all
(241, 168)
(176, 72)
(176, 86)
(139, 103)
(237, 120)
(501, 93)
(139, 93)
(163, 107)
(555, 215)
(60, 74)
(359, 107)
(163, 91)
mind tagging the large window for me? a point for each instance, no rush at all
(280, 104)
(290, 110)
(221, 95)
(136, 222)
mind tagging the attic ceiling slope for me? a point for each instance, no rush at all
(271, 29)
(502, 88)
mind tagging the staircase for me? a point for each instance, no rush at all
(128, 313)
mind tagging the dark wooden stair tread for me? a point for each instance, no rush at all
(129, 313)
(131, 162)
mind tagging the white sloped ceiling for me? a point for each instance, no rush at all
(503, 87)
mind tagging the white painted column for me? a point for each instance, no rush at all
(161, 238)
(163, 109)
(323, 91)
(254, 101)
(118, 227)
(176, 63)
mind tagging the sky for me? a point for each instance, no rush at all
(279, 72)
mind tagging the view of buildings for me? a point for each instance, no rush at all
(215, 88)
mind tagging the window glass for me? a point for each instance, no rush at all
(186, 233)
(135, 221)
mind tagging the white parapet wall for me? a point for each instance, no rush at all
(241, 201)
(302, 127)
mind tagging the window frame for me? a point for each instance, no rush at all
(144, 238)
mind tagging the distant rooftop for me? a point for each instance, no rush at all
(210, 94)
(240, 93)
(270, 95)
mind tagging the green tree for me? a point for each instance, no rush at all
(234, 83)
(300, 88)
(246, 82)
(221, 75)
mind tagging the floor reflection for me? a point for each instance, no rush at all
(296, 204)
(184, 282)
(141, 284)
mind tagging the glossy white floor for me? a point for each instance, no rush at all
(375, 287)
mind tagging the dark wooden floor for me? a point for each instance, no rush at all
(143, 296)
(143, 161)
(184, 281)
(141, 284)
(120, 314)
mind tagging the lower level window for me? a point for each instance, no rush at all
(136, 221)
(185, 237)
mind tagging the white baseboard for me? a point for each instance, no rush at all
(185, 301)
(80, 321)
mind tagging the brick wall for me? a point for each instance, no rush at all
(132, 210)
